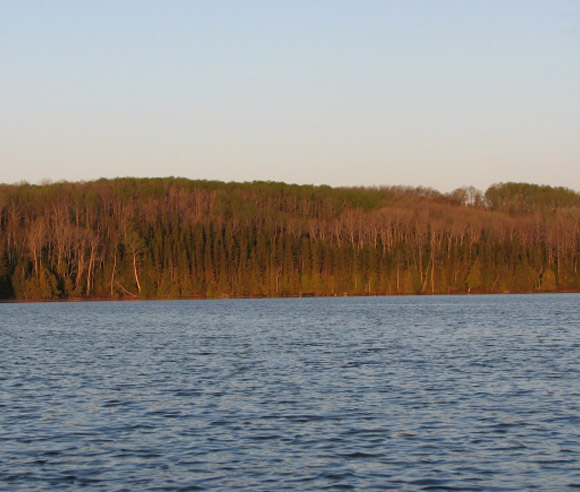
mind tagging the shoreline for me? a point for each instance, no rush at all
(297, 296)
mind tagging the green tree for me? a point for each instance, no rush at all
(548, 281)
(473, 279)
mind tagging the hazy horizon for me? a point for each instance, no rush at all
(439, 94)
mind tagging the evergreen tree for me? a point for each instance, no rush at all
(473, 279)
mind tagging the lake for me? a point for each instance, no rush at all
(469, 393)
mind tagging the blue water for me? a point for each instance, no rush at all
(409, 393)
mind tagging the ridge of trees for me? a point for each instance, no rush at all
(180, 238)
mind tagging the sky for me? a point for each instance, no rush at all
(434, 93)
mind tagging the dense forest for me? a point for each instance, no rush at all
(177, 238)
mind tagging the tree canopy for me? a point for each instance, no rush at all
(180, 238)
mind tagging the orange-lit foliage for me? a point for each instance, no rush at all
(174, 237)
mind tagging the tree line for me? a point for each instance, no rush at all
(179, 238)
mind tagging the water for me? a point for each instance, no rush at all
(409, 393)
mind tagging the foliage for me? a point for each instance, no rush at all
(174, 237)
(517, 198)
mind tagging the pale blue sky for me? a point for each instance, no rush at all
(432, 93)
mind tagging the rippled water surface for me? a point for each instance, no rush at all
(409, 393)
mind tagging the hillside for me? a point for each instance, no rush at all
(177, 238)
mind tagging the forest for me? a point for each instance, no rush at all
(178, 238)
